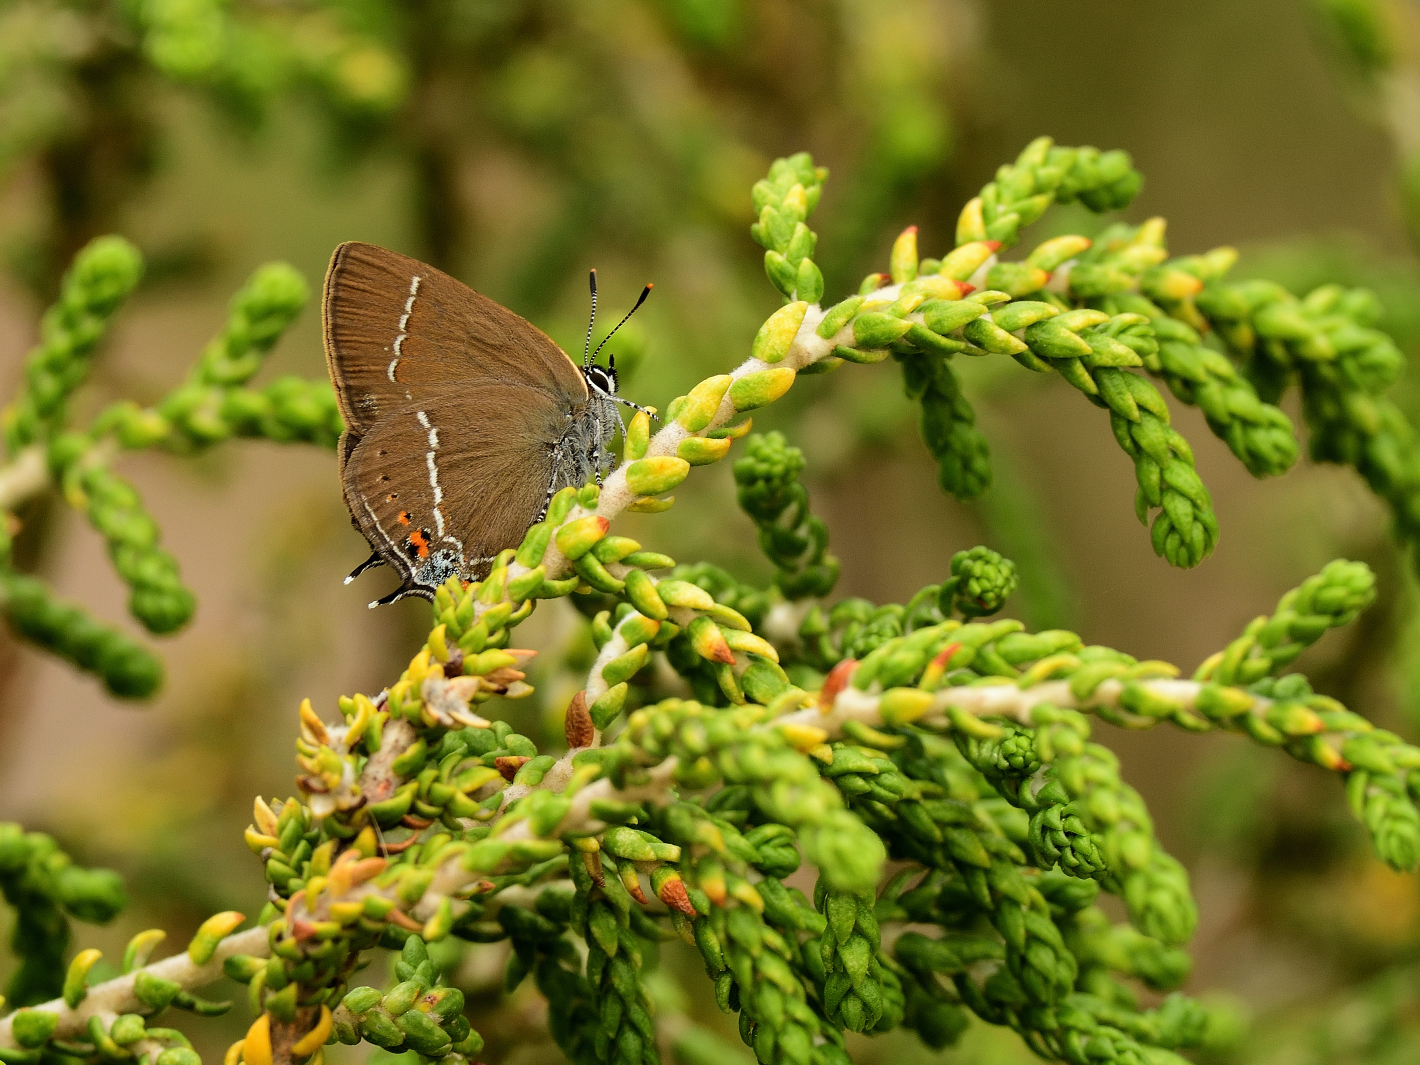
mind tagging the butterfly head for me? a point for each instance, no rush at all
(602, 378)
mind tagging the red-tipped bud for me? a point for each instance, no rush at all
(835, 682)
(672, 892)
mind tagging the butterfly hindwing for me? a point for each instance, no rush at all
(396, 328)
(441, 486)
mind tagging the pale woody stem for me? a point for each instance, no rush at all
(25, 477)
(617, 646)
(655, 788)
(596, 685)
(995, 700)
(990, 700)
(782, 623)
(117, 996)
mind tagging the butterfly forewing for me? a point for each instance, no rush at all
(395, 328)
(439, 487)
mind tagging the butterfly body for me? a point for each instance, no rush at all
(462, 419)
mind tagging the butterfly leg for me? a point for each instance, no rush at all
(594, 450)
(369, 563)
(558, 455)
(609, 423)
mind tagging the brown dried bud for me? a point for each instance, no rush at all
(448, 700)
(509, 764)
(578, 727)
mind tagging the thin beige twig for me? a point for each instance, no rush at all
(118, 996)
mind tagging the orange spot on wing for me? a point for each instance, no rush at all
(404, 517)
(420, 542)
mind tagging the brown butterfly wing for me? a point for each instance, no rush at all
(440, 487)
(395, 328)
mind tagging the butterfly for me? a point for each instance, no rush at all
(461, 419)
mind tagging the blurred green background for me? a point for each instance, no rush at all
(516, 143)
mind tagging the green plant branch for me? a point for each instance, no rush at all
(1326, 343)
(417, 817)
(978, 583)
(567, 800)
(530, 807)
(790, 535)
(1321, 733)
(121, 995)
(45, 889)
(212, 406)
(552, 802)
(1084, 819)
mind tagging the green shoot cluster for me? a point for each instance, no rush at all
(727, 734)
(214, 404)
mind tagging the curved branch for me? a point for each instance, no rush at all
(118, 996)
(23, 478)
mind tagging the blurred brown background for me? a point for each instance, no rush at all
(533, 140)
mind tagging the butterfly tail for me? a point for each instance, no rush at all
(369, 563)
